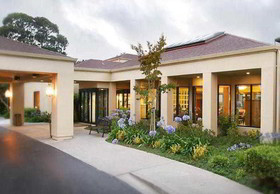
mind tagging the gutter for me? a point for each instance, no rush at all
(35, 55)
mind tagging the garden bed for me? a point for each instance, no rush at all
(240, 158)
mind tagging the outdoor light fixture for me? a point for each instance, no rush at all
(242, 87)
(198, 77)
(8, 94)
(248, 73)
(50, 91)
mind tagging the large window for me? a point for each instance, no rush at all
(180, 98)
(224, 100)
(123, 98)
(248, 105)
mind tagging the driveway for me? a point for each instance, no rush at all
(146, 172)
(29, 166)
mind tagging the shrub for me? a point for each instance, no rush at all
(6, 115)
(227, 123)
(137, 140)
(157, 144)
(264, 162)
(120, 135)
(199, 151)
(35, 116)
(219, 161)
(254, 133)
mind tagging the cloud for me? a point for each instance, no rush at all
(102, 29)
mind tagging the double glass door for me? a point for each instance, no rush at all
(93, 104)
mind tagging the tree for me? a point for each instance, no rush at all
(150, 60)
(37, 31)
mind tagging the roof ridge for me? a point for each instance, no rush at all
(256, 41)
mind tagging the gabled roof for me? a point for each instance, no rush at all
(15, 46)
(221, 43)
(124, 56)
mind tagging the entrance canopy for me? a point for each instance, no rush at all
(21, 63)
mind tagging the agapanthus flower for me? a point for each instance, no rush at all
(186, 117)
(178, 119)
(130, 122)
(152, 133)
(170, 129)
(161, 122)
(121, 123)
(115, 141)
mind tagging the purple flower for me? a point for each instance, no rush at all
(130, 122)
(121, 123)
(152, 133)
(186, 117)
(199, 119)
(115, 141)
(169, 129)
(178, 119)
(161, 122)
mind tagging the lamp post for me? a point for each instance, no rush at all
(50, 93)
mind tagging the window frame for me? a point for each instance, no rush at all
(123, 91)
(218, 99)
(251, 95)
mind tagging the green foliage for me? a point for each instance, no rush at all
(34, 115)
(264, 162)
(219, 161)
(37, 31)
(150, 60)
(227, 123)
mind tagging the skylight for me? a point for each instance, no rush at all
(199, 39)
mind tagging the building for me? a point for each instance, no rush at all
(215, 74)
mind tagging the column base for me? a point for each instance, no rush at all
(270, 138)
(59, 138)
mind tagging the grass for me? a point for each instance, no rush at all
(232, 170)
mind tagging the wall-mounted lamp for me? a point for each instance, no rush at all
(8, 94)
(50, 91)
(248, 73)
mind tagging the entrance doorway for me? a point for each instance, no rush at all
(93, 104)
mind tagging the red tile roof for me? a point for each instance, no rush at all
(12, 45)
(222, 44)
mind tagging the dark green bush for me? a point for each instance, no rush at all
(6, 115)
(35, 116)
(264, 162)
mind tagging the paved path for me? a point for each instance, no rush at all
(29, 166)
(147, 172)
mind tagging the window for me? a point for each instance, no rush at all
(248, 105)
(180, 98)
(197, 102)
(224, 100)
(123, 98)
(144, 114)
(36, 103)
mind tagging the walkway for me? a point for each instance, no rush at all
(29, 166)
(146, 172)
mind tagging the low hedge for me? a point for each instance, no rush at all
(264, 162)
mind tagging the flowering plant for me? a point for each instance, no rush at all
(152, 133)
(170, 129)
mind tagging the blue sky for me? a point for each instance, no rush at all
(105, 28)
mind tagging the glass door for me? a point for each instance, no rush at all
(197, 102)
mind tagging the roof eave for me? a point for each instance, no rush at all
(35, 55)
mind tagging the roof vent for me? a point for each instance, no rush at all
(197, 40)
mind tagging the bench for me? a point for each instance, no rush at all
(102, 124)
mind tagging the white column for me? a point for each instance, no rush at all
(135, 102)
(268, 99)
(62, 106)
(166, 103)
(17, 102)
(209, 107)
(278, 94)
(112, 97)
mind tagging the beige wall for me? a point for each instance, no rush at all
(45, 101)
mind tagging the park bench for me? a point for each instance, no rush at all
(102, 124)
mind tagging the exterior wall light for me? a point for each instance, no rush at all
(49, 91)
(8, 94)
(248, 73)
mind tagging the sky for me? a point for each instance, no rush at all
(100, 29)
